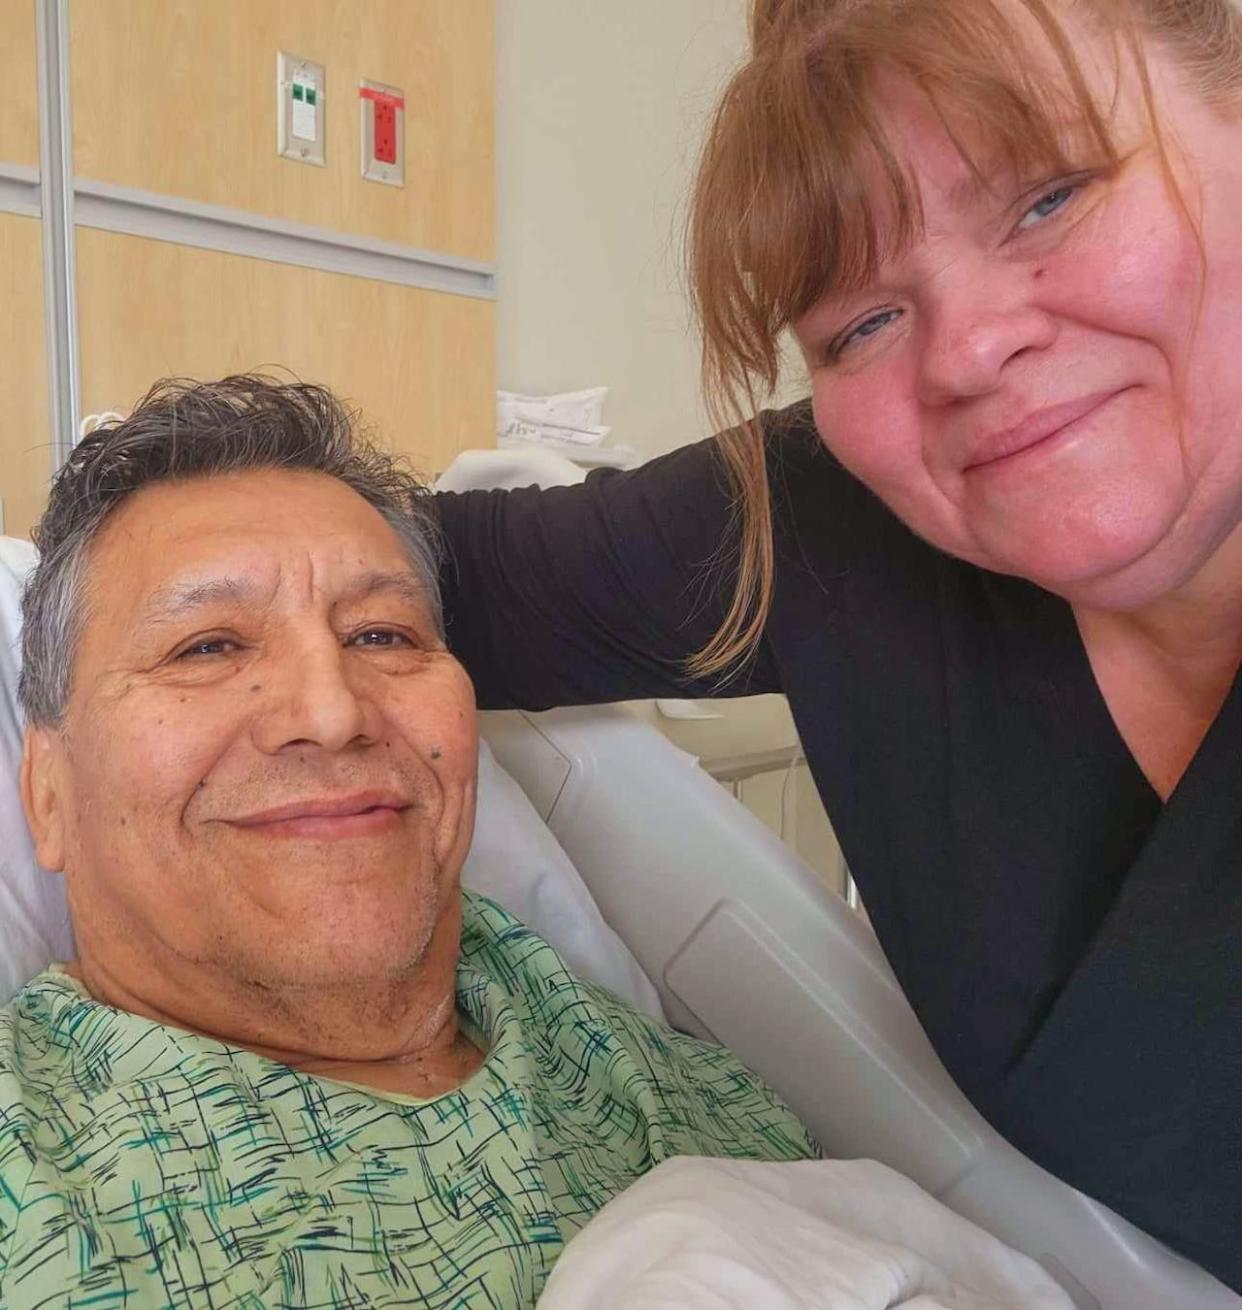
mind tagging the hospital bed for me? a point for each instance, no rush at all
(746, 946)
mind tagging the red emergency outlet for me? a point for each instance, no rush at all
(386, 131)
(383, 109)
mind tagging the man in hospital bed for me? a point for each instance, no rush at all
(292, 1064)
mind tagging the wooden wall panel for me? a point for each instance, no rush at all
(19, 85)
(419, 364)
(25, 443)
(179, 97)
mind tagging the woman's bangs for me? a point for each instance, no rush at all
(837, 199)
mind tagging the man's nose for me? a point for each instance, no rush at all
(316, 697)
(978, 316)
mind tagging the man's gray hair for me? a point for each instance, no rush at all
(182, 430)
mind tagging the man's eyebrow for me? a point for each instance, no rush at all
(170, 603)
(402, 584)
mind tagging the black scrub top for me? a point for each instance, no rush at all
(1072, 946)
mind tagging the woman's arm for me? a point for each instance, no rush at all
(598, 592)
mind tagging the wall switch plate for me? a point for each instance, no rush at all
(301, 92)
(382, 111)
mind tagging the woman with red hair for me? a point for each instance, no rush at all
(994, 561)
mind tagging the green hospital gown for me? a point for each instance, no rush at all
(143, 1166)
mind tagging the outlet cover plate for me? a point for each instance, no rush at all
(371, 95)
(301, 95)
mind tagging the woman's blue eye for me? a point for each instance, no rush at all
(1047, 205)
(867, 328)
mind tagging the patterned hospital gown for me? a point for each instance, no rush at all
(142, 1166)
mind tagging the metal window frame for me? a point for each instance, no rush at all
(60, 297)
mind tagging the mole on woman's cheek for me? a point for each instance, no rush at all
(436, 752)
(258, 686)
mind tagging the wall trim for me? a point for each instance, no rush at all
(19, 191)
(134, 212)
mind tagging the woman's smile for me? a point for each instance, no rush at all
(1038, 432)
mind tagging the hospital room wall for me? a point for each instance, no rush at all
(417, 364)
(19, 123)
(600, 109)
(25, 452)
(199, 123)
(177, 98)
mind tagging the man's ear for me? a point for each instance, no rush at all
(42, 795)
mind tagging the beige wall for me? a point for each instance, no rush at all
(25, 452)
(600, 105)
(19, 121)
(417, 363)
(179, 97)
(198, 120)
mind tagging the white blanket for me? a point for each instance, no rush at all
(824, 1234)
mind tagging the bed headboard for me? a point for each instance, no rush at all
(748, 947)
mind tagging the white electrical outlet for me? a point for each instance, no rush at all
(301, 118)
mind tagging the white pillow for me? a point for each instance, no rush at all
(34, 921)
(515, 859)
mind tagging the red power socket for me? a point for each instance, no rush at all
(385, 111)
